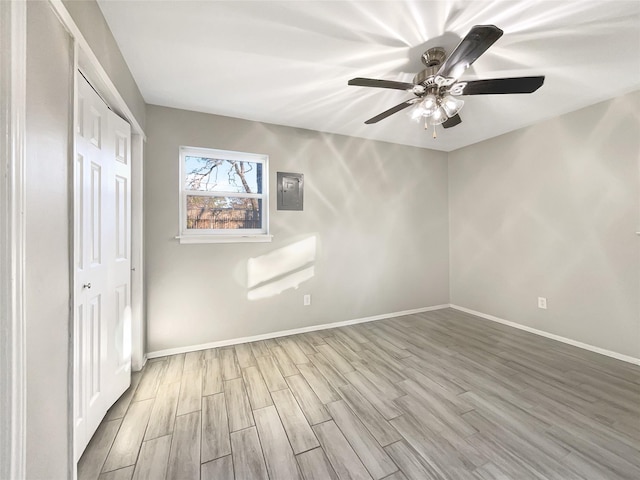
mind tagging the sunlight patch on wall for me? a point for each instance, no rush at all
(287, 267)
(278, 286)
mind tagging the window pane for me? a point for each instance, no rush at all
(219, 175)
(223, 213)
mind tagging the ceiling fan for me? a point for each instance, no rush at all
(437, 88)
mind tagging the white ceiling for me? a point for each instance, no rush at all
(288, 62)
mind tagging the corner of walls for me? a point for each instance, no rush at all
(450, 270)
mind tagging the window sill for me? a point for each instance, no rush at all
(192, 239)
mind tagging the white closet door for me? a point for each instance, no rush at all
(119, 330)
(102, 233)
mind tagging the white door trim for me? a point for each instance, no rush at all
(13, 26)
(138, 311)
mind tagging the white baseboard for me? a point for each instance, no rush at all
(144, 362)
(542, 333)
(284, 333)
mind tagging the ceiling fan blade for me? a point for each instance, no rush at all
(497, 86)
(372, 82)
(391, 111)
(477, 41)
(452, 122)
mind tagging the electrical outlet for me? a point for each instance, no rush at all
(306, 300)
(542, 303)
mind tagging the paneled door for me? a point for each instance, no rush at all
(102, 262)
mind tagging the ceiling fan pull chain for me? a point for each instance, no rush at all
(434, 132)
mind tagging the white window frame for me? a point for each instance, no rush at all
(224, 235)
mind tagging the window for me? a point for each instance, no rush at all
(224, 196)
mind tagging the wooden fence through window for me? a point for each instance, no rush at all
(223, 219)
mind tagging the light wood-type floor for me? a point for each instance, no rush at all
(438, 395)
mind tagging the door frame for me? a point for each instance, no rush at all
(85, 60)
(13, 395)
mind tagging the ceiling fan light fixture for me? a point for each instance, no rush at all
(436, 87)
(424, 108)
(452, 105)
(417, 112)
(429, 104)
(438, 117)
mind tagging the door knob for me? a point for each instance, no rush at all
(86, 285)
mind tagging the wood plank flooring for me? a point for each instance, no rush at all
(438, 395)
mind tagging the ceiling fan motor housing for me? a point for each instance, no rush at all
(432, 59)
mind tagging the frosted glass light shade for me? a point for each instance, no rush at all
(425, 108)
(429, 104)
(438, 117)
(452, 105)
(417, 112)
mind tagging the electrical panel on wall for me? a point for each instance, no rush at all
(290, 191)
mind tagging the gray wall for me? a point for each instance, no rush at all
(47, 247)
(94, 28)
(551, 211)
(378, 213)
